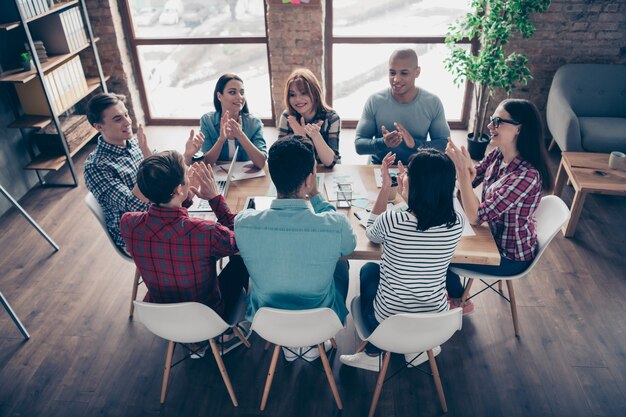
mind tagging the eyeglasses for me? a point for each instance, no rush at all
(495, 121)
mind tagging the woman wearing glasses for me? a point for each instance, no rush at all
(513, 176)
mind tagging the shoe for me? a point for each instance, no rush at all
(420, 358)
(197, 351)
(312, 353)
(362, 360)
(289, 354)
(456, 302)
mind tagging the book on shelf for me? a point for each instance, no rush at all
(62, 33)
(76, 129)
(42, 54)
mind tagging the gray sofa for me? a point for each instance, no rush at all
(586, 109)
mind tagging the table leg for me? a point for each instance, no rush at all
(560, 178)
(577, 206)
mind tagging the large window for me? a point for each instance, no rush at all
(183, 46)
(361, 34)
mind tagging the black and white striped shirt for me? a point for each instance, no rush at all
(414, 263)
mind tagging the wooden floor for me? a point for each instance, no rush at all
(85, 358)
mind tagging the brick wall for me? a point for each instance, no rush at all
(295, 39)
(571, 31)
(114, 53)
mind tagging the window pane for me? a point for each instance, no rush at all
(197, 18)
(356, 76)
(180, 79)
(375, 18)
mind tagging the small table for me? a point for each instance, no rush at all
(588, 173)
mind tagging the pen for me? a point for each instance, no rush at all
(356, 215)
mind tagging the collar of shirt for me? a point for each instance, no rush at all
(168, 211)
(110, 148)
(290, 203)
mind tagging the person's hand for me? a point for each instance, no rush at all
(203, 182)
(235, 127)
(314, 189)
(401, 175)
(462, 162)
(312, 130)
(388, 160)
(142, 140)
(392, 139)
(193, 145)
(297, 127)
(406, 136)
(226, 132)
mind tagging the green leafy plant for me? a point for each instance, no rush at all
(492, 23)
(25, 57)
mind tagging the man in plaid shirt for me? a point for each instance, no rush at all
(175, 253)
(111, 169)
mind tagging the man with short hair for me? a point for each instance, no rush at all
(176, 253)
(111, 169)
(291, 251)
(399, 119)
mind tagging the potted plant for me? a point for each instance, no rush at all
(491, 23)
(25, 59)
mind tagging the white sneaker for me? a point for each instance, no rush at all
(313, 352)
(423, 357)
(289, 354)
(362, 360)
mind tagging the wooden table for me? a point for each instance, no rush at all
(478, 249)
(588, 173)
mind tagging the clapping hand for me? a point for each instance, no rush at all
(312, 130)
(392, 139)
(388, 160)
(235, 127)
(226, 131)
(462, 161)
(406, 136)
(142, 140)
(401, 174)
(203, 181)
(298, 128)
(193, 145)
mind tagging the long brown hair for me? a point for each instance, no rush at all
(305, 81)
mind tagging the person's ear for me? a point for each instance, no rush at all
(219, 96)
(98, 126)
(417, 71)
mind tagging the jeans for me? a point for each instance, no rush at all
(233, 278)
(507, 267)
(369, 279)
(342, 277)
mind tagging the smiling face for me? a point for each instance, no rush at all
(300, 100)
(116, 125)
(402, 75)
(505, 135)
(233, 98)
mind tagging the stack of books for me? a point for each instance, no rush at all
(40, 49)
(31, 8)
(76, 129)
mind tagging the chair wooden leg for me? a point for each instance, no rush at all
(270, 377)
(241, 336)
(509, 285)
(220, 365)
(500, 285)
(435, 371)
(552, 145)
(466, 293)
(166, 372)
(333, 342)
(134, 296)
(379, 384)
(267, 345)
(329, 375)
(361, 347)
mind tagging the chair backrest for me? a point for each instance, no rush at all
(180, 322)
(416, 332)
(97, 211)
(551, 215)
(296, 328)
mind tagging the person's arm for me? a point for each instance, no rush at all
(204, 186)
(348, 237)
(108, 188)
(256, 156)
(383, 195)
(332, 136)
(465, 173)
(213, 154)
(193, 145)
(509, 194)
(324, 152)
(222, 241)
(439, 131)
(142, 141)
(365, 141)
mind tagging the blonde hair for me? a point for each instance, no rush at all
(305, 81)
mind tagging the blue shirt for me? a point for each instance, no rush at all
(251, 126)
(291, 252)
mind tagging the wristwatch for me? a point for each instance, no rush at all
(197, 157)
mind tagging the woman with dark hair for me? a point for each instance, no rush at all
(307, 114)
(232, 123)
(418, 245)
(513, 176)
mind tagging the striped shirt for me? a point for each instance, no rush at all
(413, 264)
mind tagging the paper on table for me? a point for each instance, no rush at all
(379, 178)
(245, 170)
(332, 180)
(467, 228)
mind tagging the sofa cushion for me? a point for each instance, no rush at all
(603, 134)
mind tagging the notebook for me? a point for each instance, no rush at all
(199, 204)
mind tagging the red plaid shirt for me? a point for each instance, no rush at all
(176, 254)
(510, 197)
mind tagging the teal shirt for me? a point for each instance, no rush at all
(422, 117)
(251, 126)
(291, 252)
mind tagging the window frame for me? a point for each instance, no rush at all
(134, 42)
(330, 40)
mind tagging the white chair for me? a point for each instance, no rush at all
(550, 216)
(294, 329)
(407, 333)
(95, 208)
(190, 323)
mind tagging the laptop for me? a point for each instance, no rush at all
(200, 205)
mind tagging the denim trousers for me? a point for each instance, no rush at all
(369, 279)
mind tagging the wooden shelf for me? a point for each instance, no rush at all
(56, 162)
(54, 9)
(21, 76)
(39, 122)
